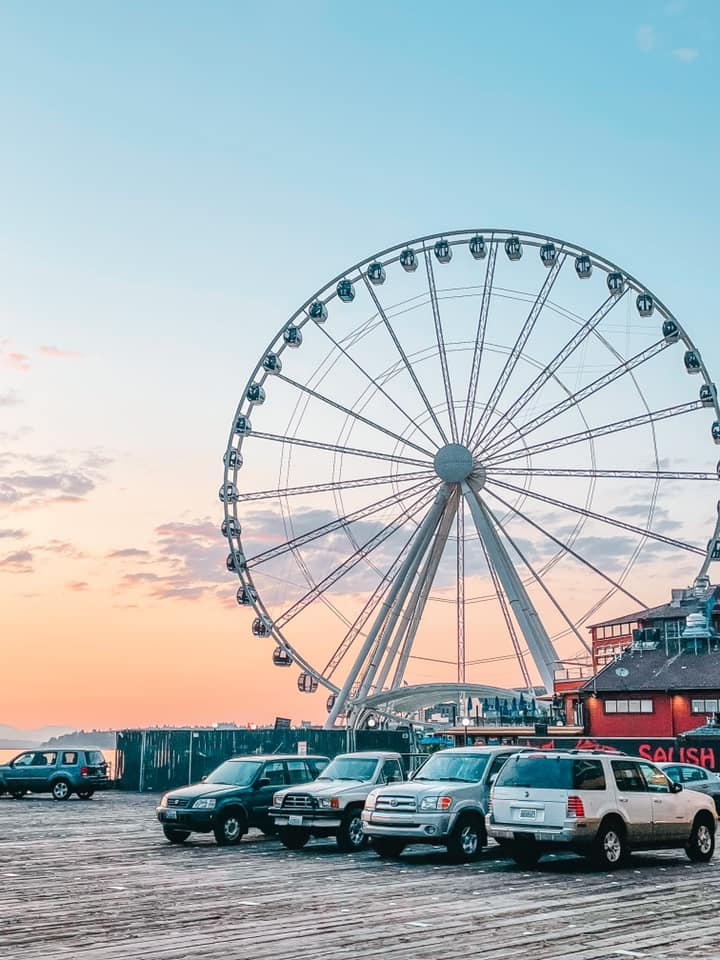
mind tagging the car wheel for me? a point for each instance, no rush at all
(174, 835)
(702, 840)
(387, 848)
(230, 828)
(60, 790)
(350, 836)
(610, 849)
(85, 794)
(467, 840)
(525, 854)
(293, 838)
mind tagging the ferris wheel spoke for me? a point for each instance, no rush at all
(403, 355)
(370, 605)
(577, 397)
(352, 413)
(341, 522)
(440, 338)
(375, 383)
(542, 378)
(405, 634)
(611, 521)
(335, 485)
(408, 567)
(460, 581)
(350, 562)
(479, 341)
(541, 647)
(516, 352)
(338, 448)
(654, 416)
(601, 474)
(541, 583)
(510, 626)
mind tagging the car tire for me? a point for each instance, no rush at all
(610, 848)
(230, 828)
(60, 790)
(388, 848)
(525, 855)
(350, 836)
(702, 839)
(174, 835)
(467, 839)
(85, 794)
(293, 838)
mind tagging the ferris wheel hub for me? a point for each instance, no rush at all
(454, 463)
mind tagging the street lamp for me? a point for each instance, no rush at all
(466, 723)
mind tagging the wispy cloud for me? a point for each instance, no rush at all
(20, 561)
(686, 54)
(8, 533)
(646, 38)
(30, 481)
(77, 586)
(58, 353)
(127, 552)
(10, 399)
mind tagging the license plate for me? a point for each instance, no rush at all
(171, 814)
(295, 821)
(528, 814)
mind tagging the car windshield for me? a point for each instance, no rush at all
(549, 773)
(463, 767)
(236, 773)
(349, 768)
(95, 756)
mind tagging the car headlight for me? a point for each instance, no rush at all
(330, 802)
(205, 803)
(277, 799)
(436, 803)
(163, 800)
(370, 802)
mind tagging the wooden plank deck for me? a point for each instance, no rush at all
(98, 881)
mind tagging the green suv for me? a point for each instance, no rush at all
(58, 772)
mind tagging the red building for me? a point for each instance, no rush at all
(654, 673)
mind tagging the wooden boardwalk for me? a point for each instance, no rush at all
(97, 881)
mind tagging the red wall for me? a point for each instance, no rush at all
(671, 716)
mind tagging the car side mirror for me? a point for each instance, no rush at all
(262, 782)
(203, 778)
(675, 787)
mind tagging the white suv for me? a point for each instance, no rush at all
(599, 805)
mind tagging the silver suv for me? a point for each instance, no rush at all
(331, 806)
(597, 805)
(443, 804)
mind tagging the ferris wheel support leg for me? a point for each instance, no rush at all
(428, 578)
(539, 644)
(391, 621)
(411, 561)
(420, 593)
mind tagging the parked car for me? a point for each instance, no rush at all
(693, 777)
(332, 805)
(234, 797)
(444, 803)
(58, 772)
(598, 805)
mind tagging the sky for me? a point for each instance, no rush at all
(176, 179)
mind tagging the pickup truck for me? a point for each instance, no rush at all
(444, 803)
(331, 806)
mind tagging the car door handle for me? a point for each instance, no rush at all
(657, 801)
(623, 799)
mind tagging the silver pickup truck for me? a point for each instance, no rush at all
(331, 806)
(444, 803)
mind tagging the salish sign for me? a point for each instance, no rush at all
(656, 749)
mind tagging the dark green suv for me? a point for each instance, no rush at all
(234, 797)
(59, 772)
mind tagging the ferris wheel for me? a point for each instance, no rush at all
(454, 454)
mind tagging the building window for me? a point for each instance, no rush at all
(704, 706)
(673, 629)
(633, 706)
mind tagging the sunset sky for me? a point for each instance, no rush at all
(177, 178)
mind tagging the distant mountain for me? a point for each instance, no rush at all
(16, 744)
(84, 738)
(31, 737)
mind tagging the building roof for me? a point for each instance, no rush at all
(654, 670)
(686, 601)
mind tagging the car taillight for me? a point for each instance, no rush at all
(575, 807)
(84, 771)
